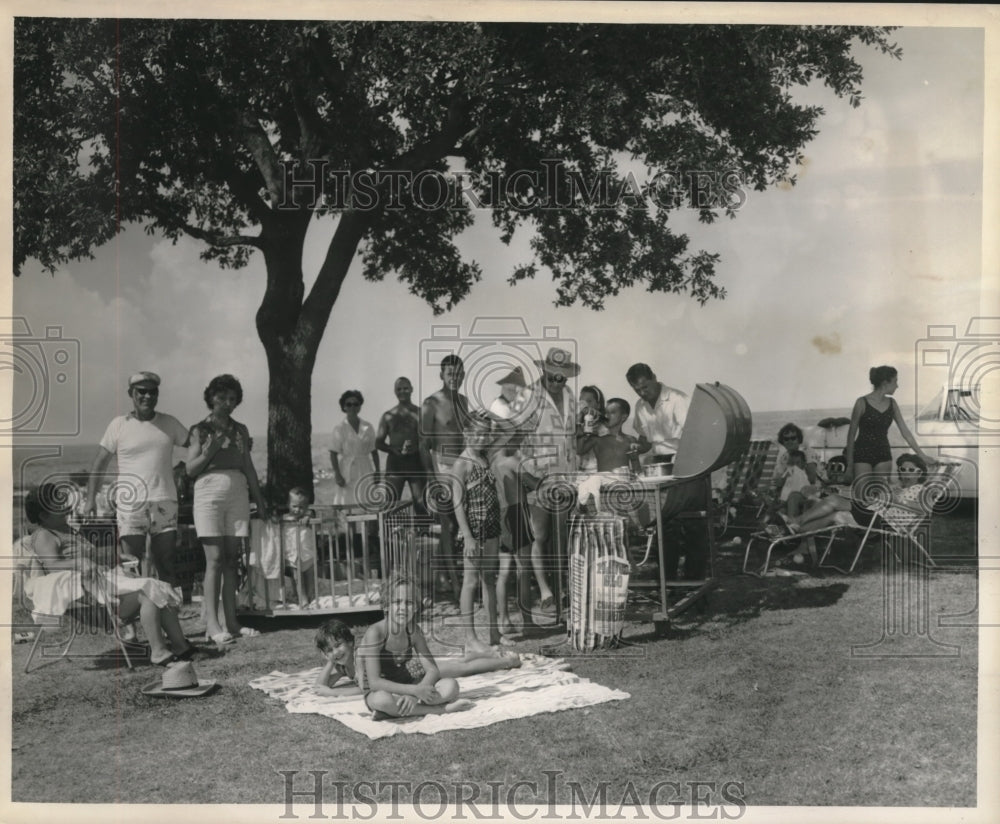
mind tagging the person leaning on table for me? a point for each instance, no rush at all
(143, 442)
(659, 419)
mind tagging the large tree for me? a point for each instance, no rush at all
(197, 127)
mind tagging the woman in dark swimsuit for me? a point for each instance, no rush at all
(868, 451)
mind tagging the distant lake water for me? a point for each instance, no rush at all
(32, 465)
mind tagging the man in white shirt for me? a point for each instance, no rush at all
(549, 448)
(143, 442)
(660, 414)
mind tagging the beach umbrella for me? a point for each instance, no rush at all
(833, 423)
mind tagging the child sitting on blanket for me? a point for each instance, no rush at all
(396, 671)
(339, 678)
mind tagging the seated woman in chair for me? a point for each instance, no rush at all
(59, 571)
(911, 472)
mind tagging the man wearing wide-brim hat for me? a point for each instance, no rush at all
(143, 441)
(549, 448)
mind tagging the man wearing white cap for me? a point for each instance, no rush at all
(143, 442)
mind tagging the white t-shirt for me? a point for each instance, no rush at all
(145, 452)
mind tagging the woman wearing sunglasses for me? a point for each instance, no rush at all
(791, 439)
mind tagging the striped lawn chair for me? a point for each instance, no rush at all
(740, 497)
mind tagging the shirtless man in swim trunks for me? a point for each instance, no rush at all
(442, 420)
(399, 436)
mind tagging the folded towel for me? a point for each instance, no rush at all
(590, 486)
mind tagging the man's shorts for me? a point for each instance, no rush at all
(150, 518)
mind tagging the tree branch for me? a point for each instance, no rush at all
(263, 155)
(319, 303)
(456, 127)
(311, 144)
(170, 221)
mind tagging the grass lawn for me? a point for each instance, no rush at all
(759, 688)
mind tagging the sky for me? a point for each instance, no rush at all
(880, 238)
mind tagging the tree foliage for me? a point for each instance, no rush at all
(183, 125)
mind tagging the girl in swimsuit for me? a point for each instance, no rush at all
(868, 451)
(397, 673)
(342, 673)
(477, 510)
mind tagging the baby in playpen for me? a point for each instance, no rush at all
(299, 542)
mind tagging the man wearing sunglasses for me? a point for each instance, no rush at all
(550, 448)
(143, 443)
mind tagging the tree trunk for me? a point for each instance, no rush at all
(289, 421)
(290, 359)
(291, 330)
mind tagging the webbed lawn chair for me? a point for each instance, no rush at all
(881, 517)
(903, 521)
(95, 600)
(743, 477)
(789, 540)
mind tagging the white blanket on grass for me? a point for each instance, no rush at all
(537, 686)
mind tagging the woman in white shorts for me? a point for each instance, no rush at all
(219, 459)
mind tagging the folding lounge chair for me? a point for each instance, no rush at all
(97, 601)
(895, 520)
(883, 518)
(742, 480)
(831, 533)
